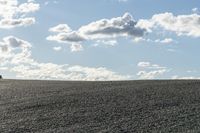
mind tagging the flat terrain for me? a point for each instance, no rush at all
(113, 107)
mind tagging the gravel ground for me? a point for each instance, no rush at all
(99, 107)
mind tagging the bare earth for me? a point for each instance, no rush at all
(113, 107)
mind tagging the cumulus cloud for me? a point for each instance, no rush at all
(124, 26)
(13, 14)
(14, 51)
(14, 42)
(188, 25)
(15, 57)
(150, 71)
(11, 43)
(28, 7)
(104, 29)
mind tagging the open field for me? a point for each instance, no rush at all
(116, 107)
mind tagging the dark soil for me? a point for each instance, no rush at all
(104, 107)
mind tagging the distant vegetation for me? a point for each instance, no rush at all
(1, 77)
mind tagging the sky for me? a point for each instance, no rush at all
(99, 39)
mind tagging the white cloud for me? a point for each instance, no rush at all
(3, 68)
(150, 71)
(48, 2)
(140, 39)
(69, 37)
(61, 28)
(186, 77)
(149, 65)
(192, 71)
(124, 26)
(12, 23)
(106, 42)
(13, 14)
(75, 47)
(55, 1)
(28, 7)
(195, 10)
(15, 57)
(151, 74)
(11, 43)
(144, 64)
(57, 48)
(188, 25)
(105, 31)
(14, 42)
(65, 72)
(29, 1)
(14, 50)
(165, 41)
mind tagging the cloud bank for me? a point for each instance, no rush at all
(15, 57)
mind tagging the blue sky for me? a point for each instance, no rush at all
(99, 40)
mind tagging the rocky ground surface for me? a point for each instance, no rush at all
(99, 107)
